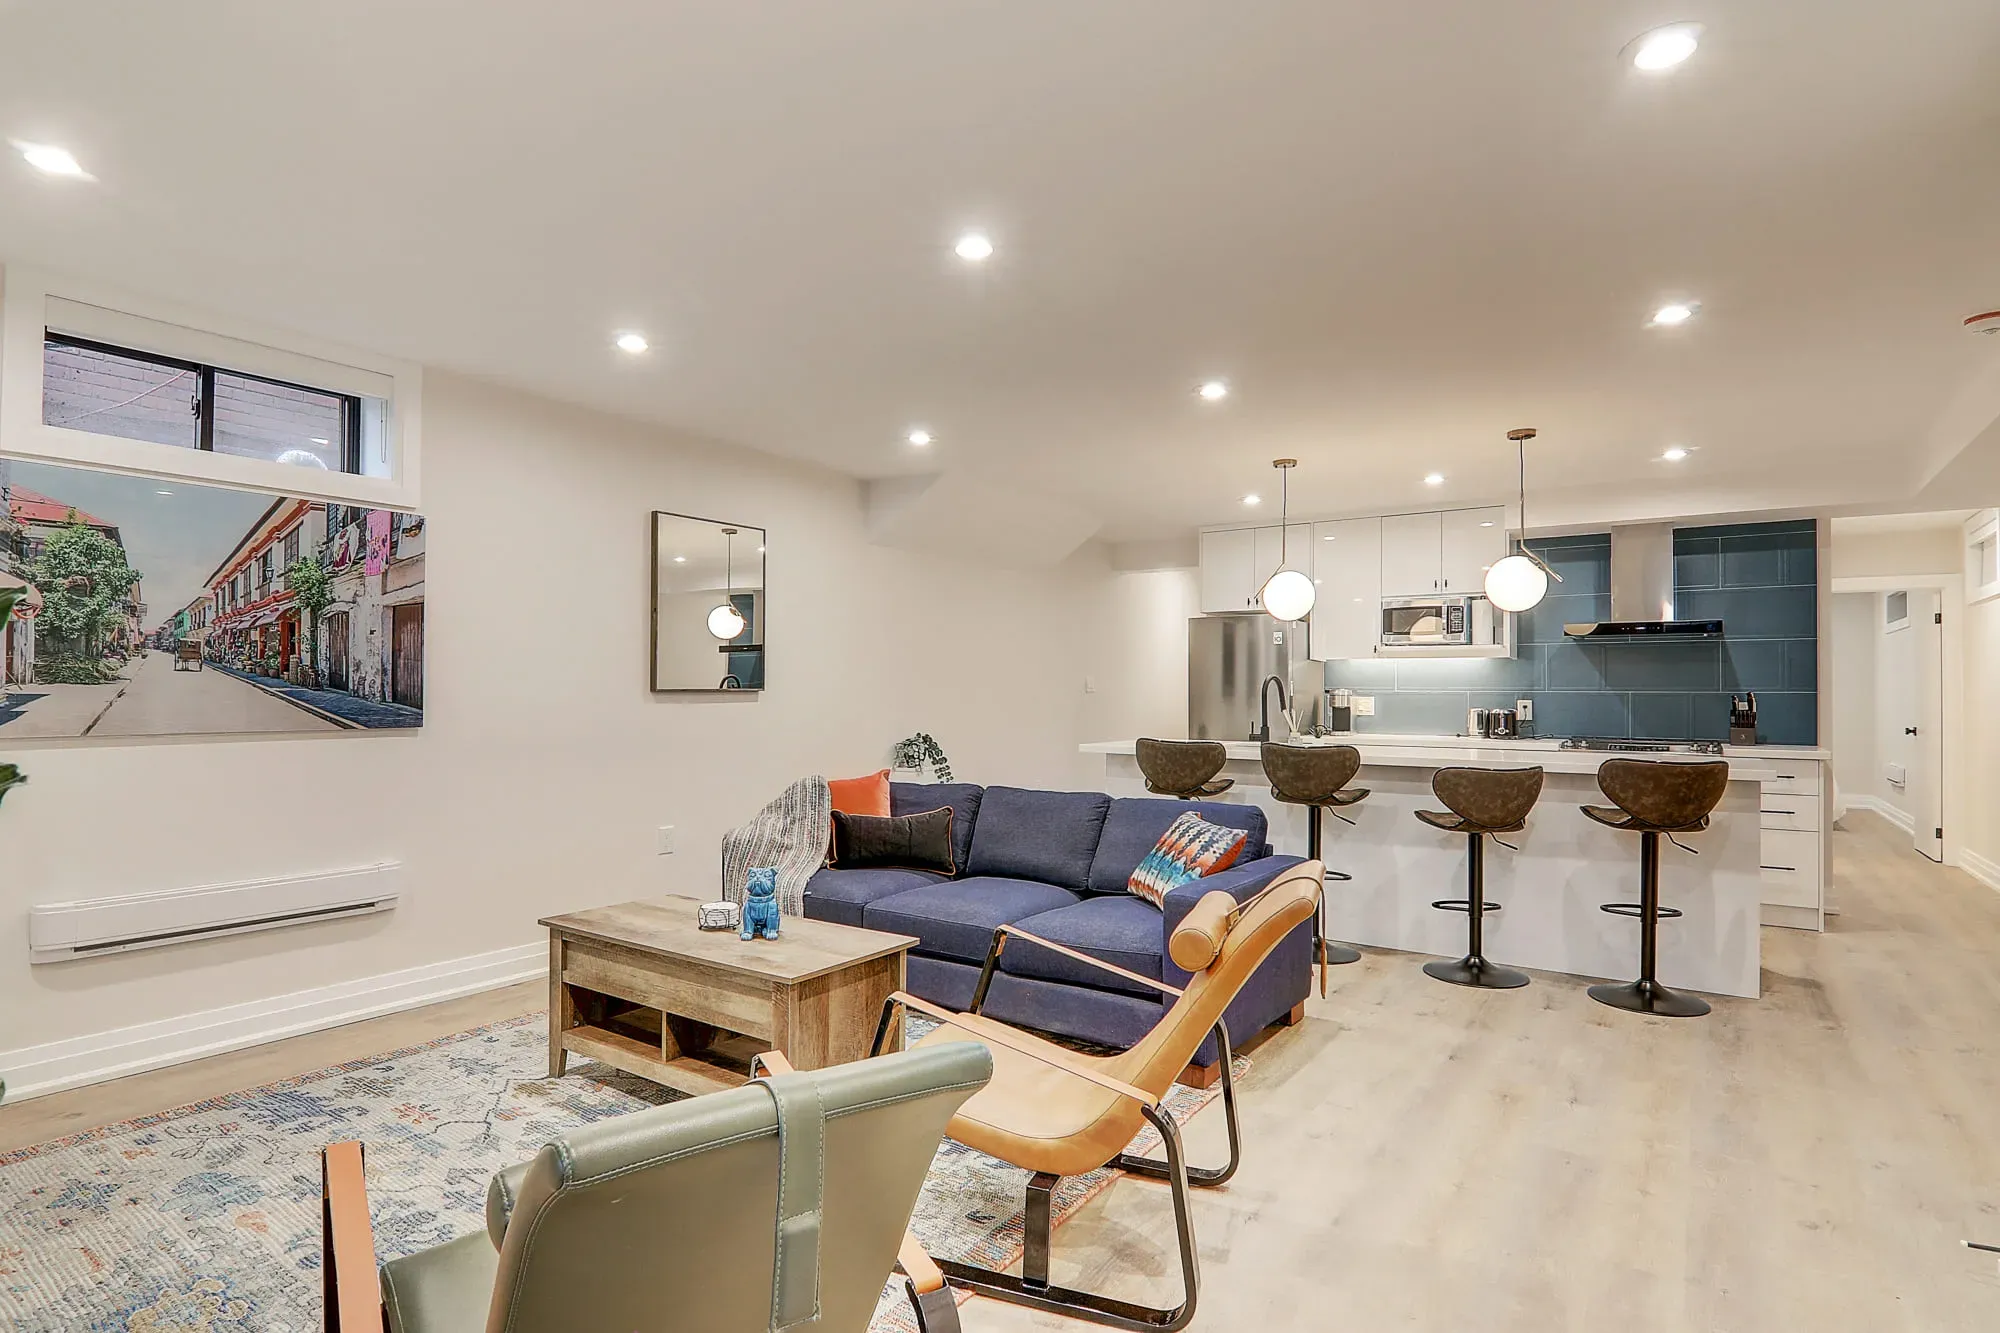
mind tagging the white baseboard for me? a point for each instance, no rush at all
(33, 1071)
(1982, 868)
(1900, 818)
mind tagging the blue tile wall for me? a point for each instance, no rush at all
(1759, 579)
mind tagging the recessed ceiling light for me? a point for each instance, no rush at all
(1674, 455)
(318, 440)
(974, 247)
(920, 437)
(1663, 48)
(1678, 312)
(163, 492)
(1213, 391)
(1327, 538)
(1486, 523)
(680, 560)
(49, 159)
(1253, 499)
(632, 343)
(1434, 479)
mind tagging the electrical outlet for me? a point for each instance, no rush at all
(1525, 709)
(667, 840)
(1364, 705)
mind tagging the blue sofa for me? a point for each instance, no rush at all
(1055, 863)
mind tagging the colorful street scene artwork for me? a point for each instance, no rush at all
(166, 608)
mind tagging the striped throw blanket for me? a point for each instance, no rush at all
(790, 834)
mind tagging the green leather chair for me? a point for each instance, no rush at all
(776, 1204)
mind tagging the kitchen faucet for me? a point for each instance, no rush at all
(1264, 705)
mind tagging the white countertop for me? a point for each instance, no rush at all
(1747, 763)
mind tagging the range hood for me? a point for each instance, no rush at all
(1642, 590)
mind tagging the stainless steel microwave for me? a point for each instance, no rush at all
(1436, 620)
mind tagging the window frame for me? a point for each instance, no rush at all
(205, 373)
(34, 301)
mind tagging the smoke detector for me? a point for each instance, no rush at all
(1988, 323)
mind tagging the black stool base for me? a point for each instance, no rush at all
(1470, 971)
(1648, 997)
(1337, 954)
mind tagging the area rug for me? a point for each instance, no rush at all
(206, 1218)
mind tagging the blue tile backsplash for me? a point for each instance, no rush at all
(1760, 580)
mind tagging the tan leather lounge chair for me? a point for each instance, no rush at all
(1056, 1112)
(772, 1205)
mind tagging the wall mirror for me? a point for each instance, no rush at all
(708, 604)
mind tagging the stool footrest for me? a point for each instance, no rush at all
(1462, 905)
(1636, 910)
(1340, 875)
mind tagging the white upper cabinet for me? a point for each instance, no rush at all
(1472, 540)
(1346, 619)
(1229, 579)
(1412, 555)
(1283, 548)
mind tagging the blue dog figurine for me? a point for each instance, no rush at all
(760, 904)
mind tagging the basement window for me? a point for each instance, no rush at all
(139, 395)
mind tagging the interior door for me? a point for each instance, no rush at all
(1925, 790)
(406, 655)
(336, 651)
(1412, 555)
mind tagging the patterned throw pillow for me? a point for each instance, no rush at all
(1190, 849)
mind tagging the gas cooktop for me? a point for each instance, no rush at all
(1643, 746)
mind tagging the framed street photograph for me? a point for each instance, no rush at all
(167, 608)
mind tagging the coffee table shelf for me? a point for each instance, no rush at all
(639, 987)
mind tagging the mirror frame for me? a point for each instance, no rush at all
(653, 607)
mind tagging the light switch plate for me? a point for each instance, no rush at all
(1364, 705)
(667, 841)
(1525, 709)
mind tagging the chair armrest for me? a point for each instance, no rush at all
(1003, 933)
(1241, 882)
(351, 1292)
(1022, 1044)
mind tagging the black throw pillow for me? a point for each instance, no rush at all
(902, 842)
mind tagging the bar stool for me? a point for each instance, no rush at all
(1482, 801)
(1184, 769)
(1316, 776)
(1654, 796)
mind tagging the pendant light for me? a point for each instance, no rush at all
(1287, 594)
(1518, 582)
(725, 622)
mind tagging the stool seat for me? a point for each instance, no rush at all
(1183, 769)
(1316, 776)
(1479, 802)
(1651, 797)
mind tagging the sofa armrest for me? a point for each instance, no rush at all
(1241, 882)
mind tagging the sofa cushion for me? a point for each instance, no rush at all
(961, 798)
(1049, 836)
(1123, 930)
(955, 919)
(909, 842)
(839, 895)
(1134, 825)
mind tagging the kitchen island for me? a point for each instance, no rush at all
(1550, 889)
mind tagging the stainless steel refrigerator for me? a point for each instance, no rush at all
(1229, 658)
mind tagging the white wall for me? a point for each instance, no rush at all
(1851, 634)
(544, 764)
(1918, 551)
(1137, 659)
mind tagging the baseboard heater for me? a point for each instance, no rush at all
(60, 931)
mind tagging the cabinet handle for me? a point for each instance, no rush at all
(1790, 869)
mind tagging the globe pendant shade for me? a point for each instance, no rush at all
(725, 622)
(1516, 584)
(1289, 595)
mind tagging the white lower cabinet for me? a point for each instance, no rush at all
(1794, 852)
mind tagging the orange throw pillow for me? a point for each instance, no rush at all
(861, 796)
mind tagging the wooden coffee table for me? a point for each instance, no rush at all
(639, 987)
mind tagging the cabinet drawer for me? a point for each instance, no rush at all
(1791, 868)
(1797, 813)
(1796, 777)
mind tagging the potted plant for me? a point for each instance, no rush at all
(916, 751)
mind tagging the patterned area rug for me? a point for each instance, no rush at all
(206, 1218)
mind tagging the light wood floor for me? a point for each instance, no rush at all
(1418, 1156)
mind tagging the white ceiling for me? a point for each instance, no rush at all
(1397, 230)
